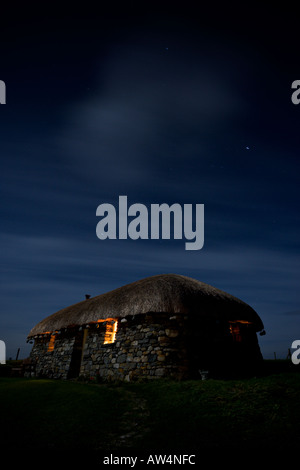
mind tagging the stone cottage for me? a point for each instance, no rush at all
(166, 325)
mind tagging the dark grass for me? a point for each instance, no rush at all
(204, 417)
(56, 415)
(249, 414)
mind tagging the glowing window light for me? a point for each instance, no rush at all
(235, 330)
(110, 332)
(51, 343)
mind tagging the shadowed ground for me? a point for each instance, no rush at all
(42, 417)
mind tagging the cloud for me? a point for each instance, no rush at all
(32, 265)
(294, 312)
(149, 113)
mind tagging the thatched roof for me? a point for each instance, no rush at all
(169, 293)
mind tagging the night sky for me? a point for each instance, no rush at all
(163, 106)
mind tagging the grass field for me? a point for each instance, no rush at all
(47, 417)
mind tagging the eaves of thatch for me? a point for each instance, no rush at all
(167, 293)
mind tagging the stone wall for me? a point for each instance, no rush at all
(56, 363)
(147, 346)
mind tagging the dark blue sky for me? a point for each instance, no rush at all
(163, 106)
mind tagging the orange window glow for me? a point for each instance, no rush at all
(51, 343)
(111, 326)
(235, 332)
(235, 329)
(110, 332)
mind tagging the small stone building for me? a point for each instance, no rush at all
(162, 326)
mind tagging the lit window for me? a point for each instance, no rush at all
(110, 332)
(51, 343)
(235, 332)
(236, 327)
(111, 326)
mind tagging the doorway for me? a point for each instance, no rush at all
(77, 354)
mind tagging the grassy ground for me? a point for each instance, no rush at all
(47, 416)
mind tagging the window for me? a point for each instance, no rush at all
(51, 343)
(110, 330)
(238, 329)
(235, 332)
